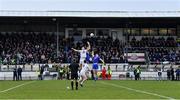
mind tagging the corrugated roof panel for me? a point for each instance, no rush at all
(90, 13)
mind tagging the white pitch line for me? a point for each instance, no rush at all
(16, 86)
(139, 91)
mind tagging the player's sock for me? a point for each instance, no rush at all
(80, 80)
(72, 85)
(95, 78)
(83, 81)
(76, 85)
(81, 84)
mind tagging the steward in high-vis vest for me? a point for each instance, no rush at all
(109, 73)
(138, 72)
(61, 72)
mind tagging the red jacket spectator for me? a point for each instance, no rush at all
(104, 73)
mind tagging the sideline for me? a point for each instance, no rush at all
(3, 91)
(139, 91)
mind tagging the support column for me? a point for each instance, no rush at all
(57, 33)
(95, 31)
(83, 33)
(178, 31)
(66, 33)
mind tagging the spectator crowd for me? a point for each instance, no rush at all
(22, 48)
(157, 49)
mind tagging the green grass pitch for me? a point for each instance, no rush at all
(109, 89)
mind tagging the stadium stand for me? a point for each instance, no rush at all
(21, 48)
(158, 49)
(41, 48)
(29, 50)
(124, 40)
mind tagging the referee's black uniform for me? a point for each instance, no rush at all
(74, 73)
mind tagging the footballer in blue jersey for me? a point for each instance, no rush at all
(88, 57)
(96, 59)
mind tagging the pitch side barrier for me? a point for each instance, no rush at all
(114, 67)
(115, 76)
(119, 71)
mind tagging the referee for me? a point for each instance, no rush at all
(74, 73)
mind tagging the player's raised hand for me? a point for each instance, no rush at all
(104, 64)
(92, 53)
(75, 50)
(72, 48)
(88, 42)
(89, 46)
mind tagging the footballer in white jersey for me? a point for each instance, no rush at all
(83, 73)
(84, 70)
(83, 52)
(82, 55)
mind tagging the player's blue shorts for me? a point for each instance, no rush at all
(95, 66)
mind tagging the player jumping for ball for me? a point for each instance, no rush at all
(83, 53)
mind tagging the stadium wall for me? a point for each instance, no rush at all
(115, 75)
(30, 72)
(119, 67)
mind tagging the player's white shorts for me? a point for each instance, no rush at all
(83, 73)
(81, 61)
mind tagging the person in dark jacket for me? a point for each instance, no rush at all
(160, 74)
(41, 72)
(19, 71)
(168, 74)
(178, 73)
(135, 73)
(74, 67)
(15, 74)
(172, 74)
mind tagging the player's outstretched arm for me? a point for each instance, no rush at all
(92, 53)
(89, 46)
(102, 61)
(75, 50)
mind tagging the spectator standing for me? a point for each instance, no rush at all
(160, 74)
(178, 73)
(135, 73)
(41, 72)
(19, 71)
(168, 74)
(172, 74)
(15, 74)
